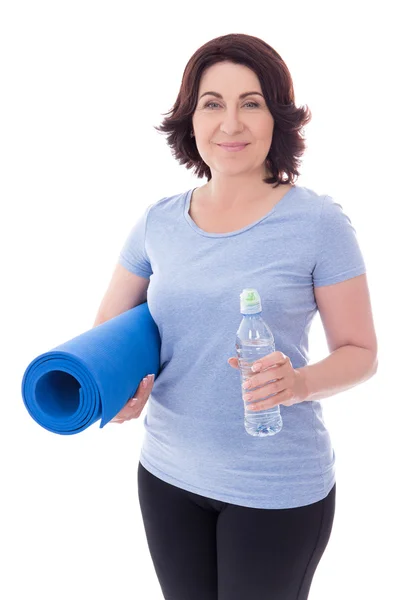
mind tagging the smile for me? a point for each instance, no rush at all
(233, 148)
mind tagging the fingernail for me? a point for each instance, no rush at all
(132, 401)
(152, 377)
(256, 367)
(144, 382)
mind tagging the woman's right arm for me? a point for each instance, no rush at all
(125, 291)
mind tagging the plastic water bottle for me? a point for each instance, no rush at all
(254, 340)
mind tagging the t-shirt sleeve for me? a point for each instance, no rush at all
(133, 255)
(338, 254)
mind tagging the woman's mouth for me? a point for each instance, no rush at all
(234, 148)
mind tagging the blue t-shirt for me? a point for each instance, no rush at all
(194, 426)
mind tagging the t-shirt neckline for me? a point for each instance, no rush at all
(198, 229)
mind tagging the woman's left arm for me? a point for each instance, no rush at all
(346, 314)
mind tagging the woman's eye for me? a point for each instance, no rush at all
(216, 103)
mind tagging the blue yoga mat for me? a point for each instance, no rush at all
(93, 375)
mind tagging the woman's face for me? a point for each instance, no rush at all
(232, 119)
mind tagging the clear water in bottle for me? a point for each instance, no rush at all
(254, 340)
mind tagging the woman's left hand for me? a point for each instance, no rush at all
(290, 387)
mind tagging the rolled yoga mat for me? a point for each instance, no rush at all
(93, 375)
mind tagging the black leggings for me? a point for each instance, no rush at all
(204, 549)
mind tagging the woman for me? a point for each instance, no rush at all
(230, 516)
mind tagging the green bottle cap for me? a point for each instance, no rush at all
(250, 301)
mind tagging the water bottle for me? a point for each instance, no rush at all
(254, 340)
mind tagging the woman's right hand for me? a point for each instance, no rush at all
(135, 405)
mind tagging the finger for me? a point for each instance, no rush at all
(269, 402)
(147, 381)
(233, 362)
(146, 384)
(269, 375)
(270, 360)
(273, 387)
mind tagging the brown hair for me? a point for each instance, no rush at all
(287, 145)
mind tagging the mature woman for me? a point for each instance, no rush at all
(230, 516)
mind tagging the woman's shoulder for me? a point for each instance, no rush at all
(171, 200)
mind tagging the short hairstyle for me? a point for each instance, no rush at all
(287, 145)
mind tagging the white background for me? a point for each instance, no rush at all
(82, 86)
